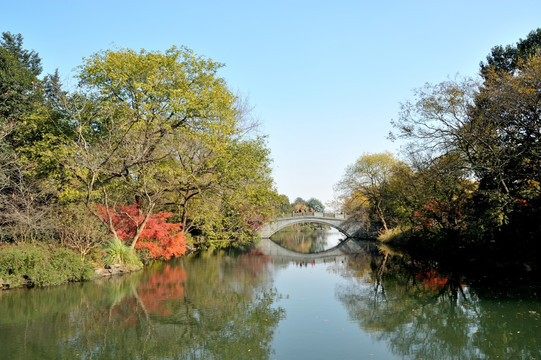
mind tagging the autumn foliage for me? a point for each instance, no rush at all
(163, 289)
(160, 238)
(437, 213)
(432, 280)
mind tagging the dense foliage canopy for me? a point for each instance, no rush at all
(471, 181)
(150, 148)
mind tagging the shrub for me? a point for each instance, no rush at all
(159, 239)
(41, 265)
(80, 231)
(120, 253)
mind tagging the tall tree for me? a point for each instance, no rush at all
(15, 83)
(491, 130)
(236, 197)
(19, 69)
(126, 117)
(436, 121)
(506, 161)
(367, 178)
(507, 58)
(13, 43)
(24, 200)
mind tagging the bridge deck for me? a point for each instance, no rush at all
(315, 214)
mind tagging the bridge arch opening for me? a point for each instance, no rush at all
(308, 240)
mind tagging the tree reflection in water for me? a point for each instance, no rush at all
(422, 314)
(210, 306)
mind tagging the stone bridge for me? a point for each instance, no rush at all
(337, 221)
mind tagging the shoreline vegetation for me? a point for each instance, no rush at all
(486, 266)
(466, 189)
(152, 156)
(40, 265)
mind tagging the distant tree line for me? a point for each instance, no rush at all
(301, 206)
(470, 176)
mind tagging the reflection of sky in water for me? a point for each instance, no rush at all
(333, 237)
(311, 241)
(317, 325)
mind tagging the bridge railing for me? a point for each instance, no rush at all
(320, 214)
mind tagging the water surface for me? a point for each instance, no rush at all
(370, 304)
(307, 240)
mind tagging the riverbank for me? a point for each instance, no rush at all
(490, 265)
(29, 265)
(116, 269)
(26, 280)
(40, 265)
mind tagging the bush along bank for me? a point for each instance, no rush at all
(40, 265)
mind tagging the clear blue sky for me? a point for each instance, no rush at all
(325, 78)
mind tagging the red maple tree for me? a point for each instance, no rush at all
(161, 239)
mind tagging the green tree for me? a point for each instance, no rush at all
(239, 197)
(507, 58)
(162, 130)
(506, 161)
(25, 199)
(315, 204)
(283, 207)
(19, 69)
(368, 178)
(126, 118)
(212, 158)
(487, 135)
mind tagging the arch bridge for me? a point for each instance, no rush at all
(337, 221)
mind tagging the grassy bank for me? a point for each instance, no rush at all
(40, 265)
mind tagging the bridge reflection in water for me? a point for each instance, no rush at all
(337, 253)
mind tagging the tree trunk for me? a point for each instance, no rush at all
(141, 227)
(379, 211)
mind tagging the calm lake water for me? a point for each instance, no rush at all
(368, 303)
